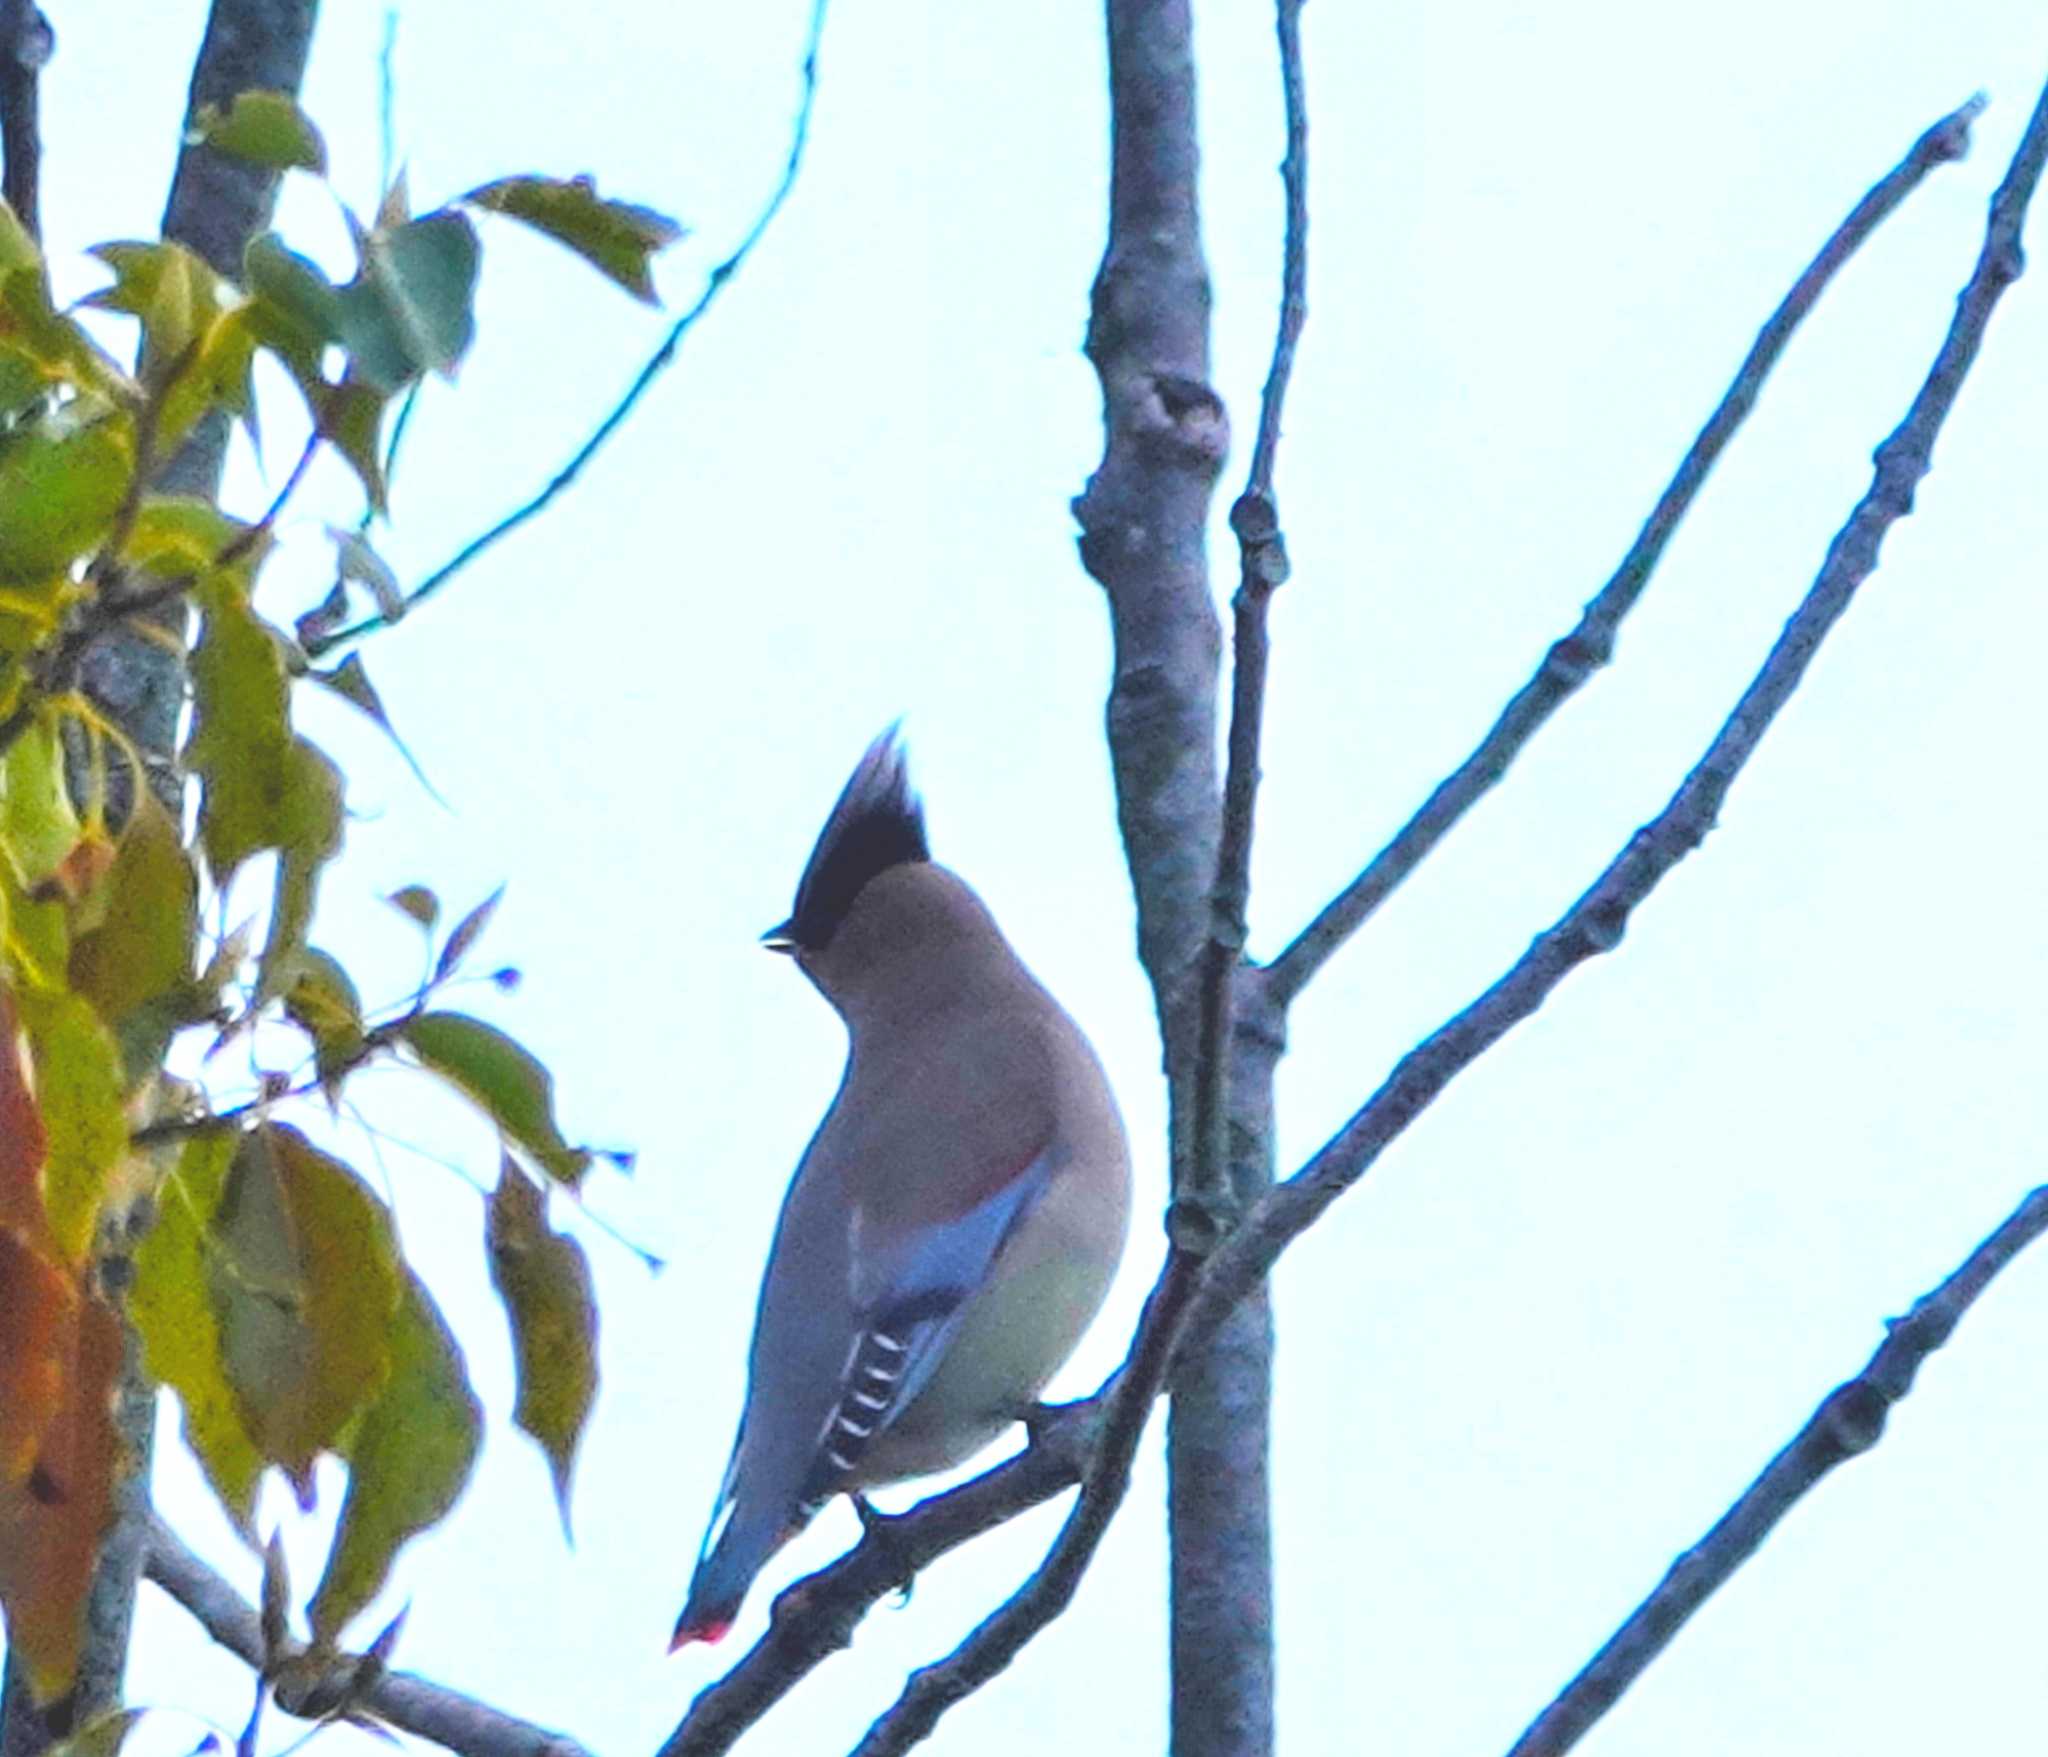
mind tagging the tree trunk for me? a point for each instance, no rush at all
(217, 204)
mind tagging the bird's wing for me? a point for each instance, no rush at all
(910, 1286)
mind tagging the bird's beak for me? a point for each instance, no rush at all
(780, 939)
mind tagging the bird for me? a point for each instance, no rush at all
(953, 1226)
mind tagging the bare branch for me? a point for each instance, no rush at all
(1573, 660)
(657, 364)
(1595, 923)
(1144, 518)
(1001, 1636)
(1262, 570)
(413, 1704)
(26, 42)
(816, 1617)
(1219, 1498)
(1849, 1421)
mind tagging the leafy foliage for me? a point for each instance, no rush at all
(544, 1280)
(262, 1276)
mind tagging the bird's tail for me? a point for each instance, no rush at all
(737, 1549)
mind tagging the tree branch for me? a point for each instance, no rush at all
(816, 1617)
(26, 42)
(657, 364)
(1849, 1421)
(1144, 519)
(1219, 1423)
(1568, 665)
(413, 1704)
(1001, 1636)
(1595, 923)
(1262, 570)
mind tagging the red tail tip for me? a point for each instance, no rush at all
(709, 1633)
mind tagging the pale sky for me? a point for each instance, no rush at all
(1539, 1349)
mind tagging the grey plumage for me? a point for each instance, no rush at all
(956, 1220)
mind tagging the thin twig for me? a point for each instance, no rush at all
(1595, 922)
(1001, 1636)
(26, 41)
(816, 1617)
(1572, 661)
(413, 1704)
(1262, 570)
(657, 363)
(1849, 1421)
(387, 102)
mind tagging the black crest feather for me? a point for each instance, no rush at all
(878, 823)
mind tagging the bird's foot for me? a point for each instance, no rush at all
(1041, 1420)
(878, 1528)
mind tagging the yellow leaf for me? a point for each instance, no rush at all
(78, 1087)
(304, 1282)
(407, 1461)
(142, 947)
(173, 1311)
(544, 1279)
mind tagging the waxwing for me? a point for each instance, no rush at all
(956, 1220)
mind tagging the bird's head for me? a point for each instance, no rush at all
(874, 915)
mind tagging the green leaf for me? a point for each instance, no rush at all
(38, 824)
(176, 534)
(275, 1605)
(218, 377)
(173, 1310)
(309, 829)
(418, 902)
(298, 312)
(142, 947)
(407, 1461)
(241, 745)
(57, 342)
(411, 308)
(17, 247)
(544, 1279)
(321, 998)
(505, 1081)
(175, 294)
(62, 478)
(78, 1091)
(266, 128)
(24, 380)
(618, 238)
(101, 1736)
(304, 1280)
(351, 416)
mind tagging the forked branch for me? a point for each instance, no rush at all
(1573, 659)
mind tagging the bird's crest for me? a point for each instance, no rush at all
(878, 823)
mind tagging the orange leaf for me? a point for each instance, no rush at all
(52, 1522)
(38, 1311)
(81, 871)
(23, 1144)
